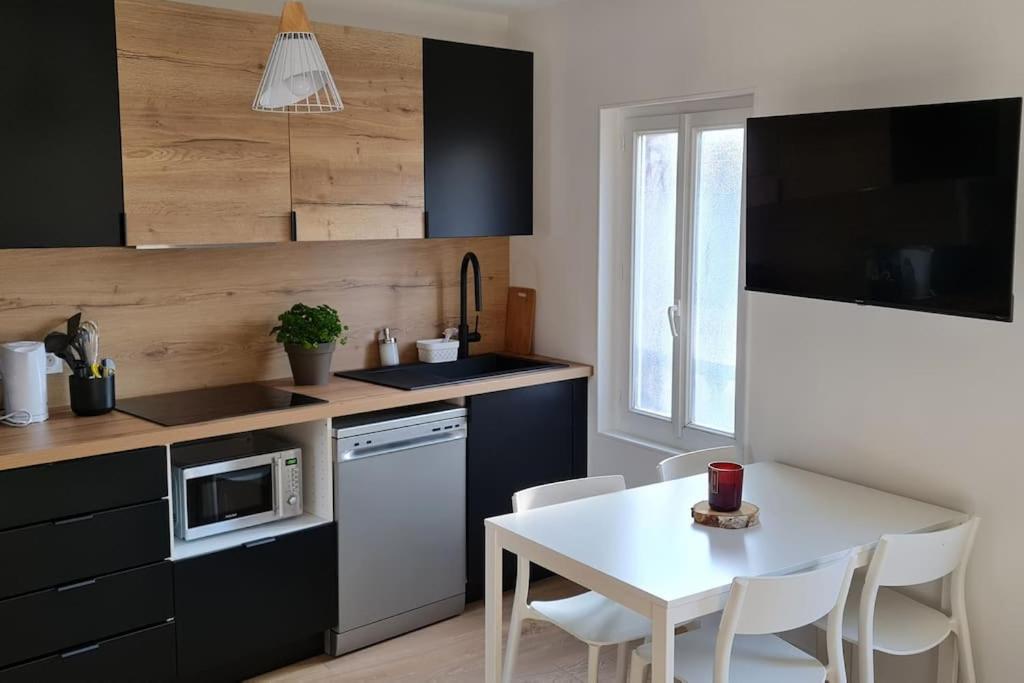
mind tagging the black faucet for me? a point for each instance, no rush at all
(465, 336)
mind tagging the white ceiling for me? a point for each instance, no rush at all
(494, 5)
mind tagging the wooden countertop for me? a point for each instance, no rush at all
(65, 436)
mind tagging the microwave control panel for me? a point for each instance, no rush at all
(291, 483)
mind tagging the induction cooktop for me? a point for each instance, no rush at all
(214, 403)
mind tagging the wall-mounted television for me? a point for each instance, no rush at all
(908, 207)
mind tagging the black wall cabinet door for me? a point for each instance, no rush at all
(250, 609)
(518, 439)
(478, 140)
(61, 161)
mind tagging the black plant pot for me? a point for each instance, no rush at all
(310, 366)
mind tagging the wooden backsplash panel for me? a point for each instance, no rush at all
(186, 318)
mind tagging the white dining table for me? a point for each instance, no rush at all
(641, 548)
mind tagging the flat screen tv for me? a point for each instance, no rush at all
(908, 207)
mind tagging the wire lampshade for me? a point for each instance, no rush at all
(297, 79)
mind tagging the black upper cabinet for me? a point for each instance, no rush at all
(477, 140)
(61, 161)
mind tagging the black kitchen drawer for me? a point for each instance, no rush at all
(75, 487)
(250, 609)
(60, 618)
(55, 553)
(146, 655)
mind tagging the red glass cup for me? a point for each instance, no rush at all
(725, 486)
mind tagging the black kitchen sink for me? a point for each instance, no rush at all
(425, 375)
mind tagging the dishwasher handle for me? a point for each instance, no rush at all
(402, 445)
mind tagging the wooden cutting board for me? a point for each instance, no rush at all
(519, 317)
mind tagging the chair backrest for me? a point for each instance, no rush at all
(909, 560)
(693, 462)
(912, 559)
(564, 491)
(772, 604)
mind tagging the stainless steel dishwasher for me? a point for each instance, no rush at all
(400, 504)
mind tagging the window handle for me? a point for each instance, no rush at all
(673, 319)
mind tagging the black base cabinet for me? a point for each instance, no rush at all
(257, 607)
(146, 655)
(86, 590)
(518, 439)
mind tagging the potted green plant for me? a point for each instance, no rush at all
(309, 335)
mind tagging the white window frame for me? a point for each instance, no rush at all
(678, 432)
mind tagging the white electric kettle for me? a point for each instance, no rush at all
(23, 373)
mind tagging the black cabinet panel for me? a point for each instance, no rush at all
(477, 140)
(75, 487)
(60, 618)
(249, 609)
(146, 655)
(65, 551)
(61, 162)
(517, 439)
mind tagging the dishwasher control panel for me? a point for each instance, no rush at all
(399, 430)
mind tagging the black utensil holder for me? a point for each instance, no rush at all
(91, 396)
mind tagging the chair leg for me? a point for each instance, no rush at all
(515, 629)
(621, 652)
(965, 655)
(636, 668)
(593, 655)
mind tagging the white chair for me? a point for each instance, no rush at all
(741, 649)
(589, 617)
(682, 465)
(878, 618)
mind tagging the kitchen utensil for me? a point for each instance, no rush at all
(55, 342)
(73, 323)
(109, 367)
(519, 320)
(23, 366)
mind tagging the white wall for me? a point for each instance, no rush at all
(413, 17)
(923, 405)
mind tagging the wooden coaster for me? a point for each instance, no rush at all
(747, 516)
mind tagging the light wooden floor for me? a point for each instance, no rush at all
(453, 651)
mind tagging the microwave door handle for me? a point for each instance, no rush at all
(278, 485)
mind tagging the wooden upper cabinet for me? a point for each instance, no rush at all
(200, 167)
(358, 174)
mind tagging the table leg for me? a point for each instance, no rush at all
(663, 643)
(492, 606)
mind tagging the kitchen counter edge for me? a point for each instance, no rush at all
(66, 437)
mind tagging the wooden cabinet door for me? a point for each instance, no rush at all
(200, 167)
(478, 140)
(358, 174)
(61, 160)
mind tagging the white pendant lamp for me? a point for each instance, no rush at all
(296, 79)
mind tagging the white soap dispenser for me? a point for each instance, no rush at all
(388, 348)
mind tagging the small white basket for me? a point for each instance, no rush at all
(437, 350)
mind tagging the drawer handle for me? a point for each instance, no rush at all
(264, 541)
(79, 651)
(73, 586)
(73, 520)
